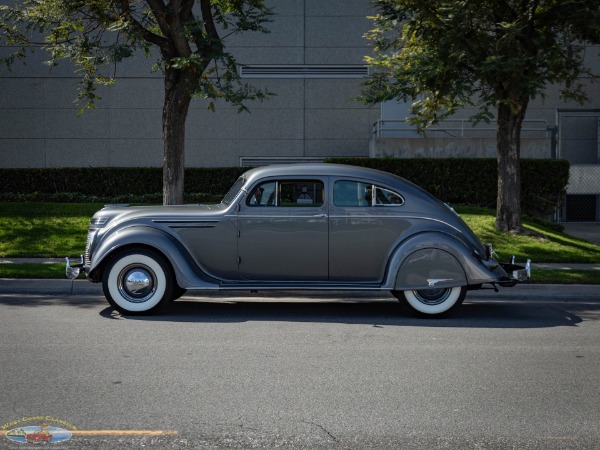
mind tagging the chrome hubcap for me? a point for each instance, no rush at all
(432, 296)
(137, 284)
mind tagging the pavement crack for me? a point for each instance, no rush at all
(325, 430)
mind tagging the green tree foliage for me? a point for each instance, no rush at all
(189, 35)
(494, 55)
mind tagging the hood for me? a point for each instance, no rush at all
(113, 214)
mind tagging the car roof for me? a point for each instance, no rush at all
(340, 170)
(322, 169)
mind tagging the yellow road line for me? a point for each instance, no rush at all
(559, 438)
(122, 432)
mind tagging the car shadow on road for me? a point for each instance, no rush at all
(373, 312)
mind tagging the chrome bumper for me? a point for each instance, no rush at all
(73, 270)
(516, 272)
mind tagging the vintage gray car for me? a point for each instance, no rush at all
(298, 226)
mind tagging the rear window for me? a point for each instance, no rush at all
(356, 194)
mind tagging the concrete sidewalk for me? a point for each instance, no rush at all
(590, 231)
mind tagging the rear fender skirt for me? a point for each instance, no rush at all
(430, 268)
(448, 259)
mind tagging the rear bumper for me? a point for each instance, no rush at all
(516, 273)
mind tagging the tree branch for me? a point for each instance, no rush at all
(209, 21)
(143, 31)
(186, 10)
(160, 14)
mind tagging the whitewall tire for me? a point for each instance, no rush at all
(433, 302)
(138, 281)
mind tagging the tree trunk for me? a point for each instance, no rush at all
(178, 94)
(508, 134)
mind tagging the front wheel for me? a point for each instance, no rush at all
(138, 281)
(432, 302)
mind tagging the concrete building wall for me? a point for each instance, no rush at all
(453, 148)
(308, 117)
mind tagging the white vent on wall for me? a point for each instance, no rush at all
(304, 71)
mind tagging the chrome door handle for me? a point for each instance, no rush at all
(320, 215)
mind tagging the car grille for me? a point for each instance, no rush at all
(88, 243)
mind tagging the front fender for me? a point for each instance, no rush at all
(144, 236)
(435, 259)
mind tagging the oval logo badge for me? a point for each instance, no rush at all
(38, 435)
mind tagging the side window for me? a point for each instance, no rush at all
(288, 193)
(355, 194)
(351, 193)
(387, 197)
(264, 195)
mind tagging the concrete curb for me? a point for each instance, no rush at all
(49, 287)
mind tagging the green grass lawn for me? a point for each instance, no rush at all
(39, 271)
(547, 244)
(44, 229)
(59, 229)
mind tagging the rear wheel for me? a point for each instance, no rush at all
(432, 302)
(138, 281)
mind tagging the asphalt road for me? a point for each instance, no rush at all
(515, 369)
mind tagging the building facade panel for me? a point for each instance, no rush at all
(64, 124)
(337, 31)
(211, 153)
(336, 147)
(336, 93)
(17, 153)
(135, 152)
(343, 124)
(138, 92)
(284, 31)
(22, 123)
(21, 93)
(337, 8)
(147, 123)
(80, 152)
(272, 124)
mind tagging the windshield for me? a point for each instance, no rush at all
(233, 192)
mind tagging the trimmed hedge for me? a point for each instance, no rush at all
(471, 181)
(114, 181)
(474, 181)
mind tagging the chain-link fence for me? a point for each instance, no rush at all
(579, 143)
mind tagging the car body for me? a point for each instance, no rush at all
(297, 226)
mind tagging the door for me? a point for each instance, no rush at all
(283, 232)
(366, 223)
